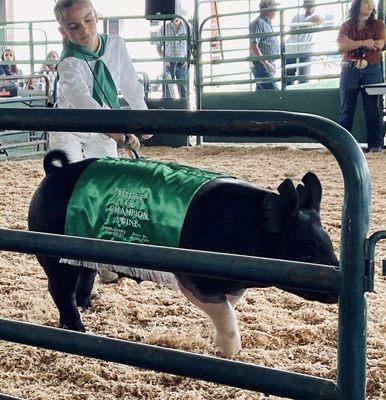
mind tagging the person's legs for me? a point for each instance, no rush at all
(181, 74)
(349, 88)
(305, 70)
(99, 145)
(259, 71)
(373, 120)
(290, 71)
(370, 75)
(69, 142)
(170, 74)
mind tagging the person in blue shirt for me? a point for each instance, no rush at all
(264, 46)
(174, 49)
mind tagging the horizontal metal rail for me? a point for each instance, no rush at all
(248, 81)
(8, 133)
(200, 2)
(12, 145)
(236, 374)
(262, 35)
(257, 58)
(24, 99)
(184, 122)
(252, 270)
(6, 397)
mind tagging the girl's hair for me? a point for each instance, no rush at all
(62, 5)
(354, 13)
(12, 67)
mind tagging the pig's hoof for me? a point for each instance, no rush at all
(84, 302)
(229, 344)
(72, 327)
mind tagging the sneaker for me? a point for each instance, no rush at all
(375, 149)
(106, 276)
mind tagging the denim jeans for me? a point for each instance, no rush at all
(259, 71)
(351, 80)
(176, 71)
(306, 70)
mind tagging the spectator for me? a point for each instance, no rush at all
(361, 39)
(84, 51)
(51, 56)
(50, 70)
(9, 55)
(264, 46)
(302, 42)
(174, 49)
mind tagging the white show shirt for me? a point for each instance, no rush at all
(75, 88)
(75, 84)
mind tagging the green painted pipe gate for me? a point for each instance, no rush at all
(353, 278)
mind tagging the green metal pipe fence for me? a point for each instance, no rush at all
(248, 269)
(199, 27)
(349, 281)
(236, 374)
(230, 74)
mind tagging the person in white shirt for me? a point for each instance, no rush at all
(51, 71)
(92, 69)
(301, 42)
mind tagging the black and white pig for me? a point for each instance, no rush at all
(226, 215)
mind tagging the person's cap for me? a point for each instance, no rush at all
(268, 4)
(309, 3)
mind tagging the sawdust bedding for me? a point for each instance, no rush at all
(278, 329)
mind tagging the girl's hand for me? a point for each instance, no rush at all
(132, 142)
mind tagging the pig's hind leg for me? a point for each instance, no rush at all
(62, 283)
(222, 314)
(84, 287)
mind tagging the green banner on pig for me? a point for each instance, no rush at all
(137, 201)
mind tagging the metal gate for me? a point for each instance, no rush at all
(350, 281)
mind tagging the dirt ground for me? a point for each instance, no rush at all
(278, 329)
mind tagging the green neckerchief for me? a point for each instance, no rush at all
(104, 89)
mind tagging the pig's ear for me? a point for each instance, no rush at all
(280, 209)
(310, 193)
